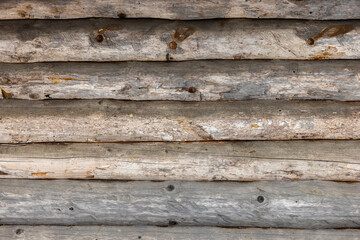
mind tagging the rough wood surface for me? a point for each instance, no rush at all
(298, 204)
(163, 40)
(112, 120)
(185, 81)
(173, 9)
(207, 161)
(178, 233)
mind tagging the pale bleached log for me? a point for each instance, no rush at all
(179, 233)
(163, 40)
(173, 9)
(210, 80)
(297, 204)
(207, 161)
(112, 121)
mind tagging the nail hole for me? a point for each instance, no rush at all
(71, 208)
(310, 41)
(172, 223)
(139, 237)
(99, 38)
(191, 89)
(168, 58)
(260, 199)
(170, 188)
(19, 231)
(280, 110)
(122, 15)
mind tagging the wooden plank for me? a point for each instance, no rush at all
(113, 121)
(172, 9)
(185, 81)
(163, 40)
(298, 204)
(207, 161)
(161, 233)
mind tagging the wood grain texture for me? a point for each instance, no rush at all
(211, 80)
(207, 161)
(113, 121)
(161, 233)
(298, 204)
(163, 40)
(172, 9)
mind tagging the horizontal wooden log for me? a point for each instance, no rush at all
(172, 9)
(113, 121)
(207, 161)
(185, 81)
(163, 40)
(161, 233)
(298, 204)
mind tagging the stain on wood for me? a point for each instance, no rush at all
(331, 31)
(5, 94)
(183, 33)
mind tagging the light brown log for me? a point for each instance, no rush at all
(207, 161)
(112, 121)
(287, 204)
(185, 81)
(161, 233)
(173, 9)
(163, 40)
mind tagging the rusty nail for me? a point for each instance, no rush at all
(173, 45)
(310, 41)
(170, 188)
(99, 38)
(191, 89)
(172, 223)
(122, 15)
(260, 199)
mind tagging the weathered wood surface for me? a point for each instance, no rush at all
(163, 40)
(178, 233)
(207, 161)
(185, 81)
(173, 9)
(113, 121)
(298, 204)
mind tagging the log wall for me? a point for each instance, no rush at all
(164, 119)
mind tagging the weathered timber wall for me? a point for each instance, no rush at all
(207, 161)
(161, 233)
(162, 40)
(112, 121)
(184, 81)
(173, 9)
(306, 204)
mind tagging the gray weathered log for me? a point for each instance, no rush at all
(174, 9)
(163, 40)
(179, 233)
(25, 121)
(298, 204)
(211, 80)
(206, 161)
